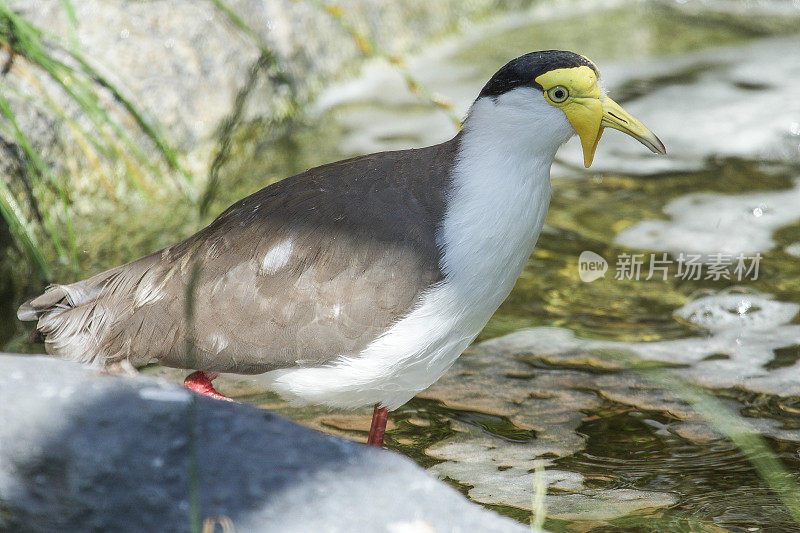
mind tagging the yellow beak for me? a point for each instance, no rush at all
(593, 115)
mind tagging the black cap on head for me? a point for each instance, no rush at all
(523, 71)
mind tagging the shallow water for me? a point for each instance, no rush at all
(562, 374)
(622, 451)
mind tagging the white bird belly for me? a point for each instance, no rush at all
(484, 257)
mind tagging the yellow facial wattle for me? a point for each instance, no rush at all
(589, 111)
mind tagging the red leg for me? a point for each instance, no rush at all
(378, 428)
(200, 382)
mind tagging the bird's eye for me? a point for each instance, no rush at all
(558, 94)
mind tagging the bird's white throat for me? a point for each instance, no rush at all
(496, 209)
(501, 191)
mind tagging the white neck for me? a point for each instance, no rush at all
(501, 192)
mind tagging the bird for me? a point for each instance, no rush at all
(360, 282)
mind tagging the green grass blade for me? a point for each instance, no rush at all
(267, 62)
(747, 439)
(151, 129)
(27, 41)
(739, 431)
(21, 231)
(69, 9)
(36, 169)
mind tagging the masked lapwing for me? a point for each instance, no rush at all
(359, 282)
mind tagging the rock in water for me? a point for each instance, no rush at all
(81, 451)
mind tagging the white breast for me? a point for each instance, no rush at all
(501, 191)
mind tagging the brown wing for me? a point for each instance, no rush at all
(303, 271)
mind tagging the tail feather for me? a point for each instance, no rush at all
(68, 319)
(33, 308)
(81, 321)
(56, 297)
(27, 311)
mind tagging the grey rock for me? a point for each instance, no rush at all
(184, 61)
(80, 451)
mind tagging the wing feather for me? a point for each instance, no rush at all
(300, 273)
